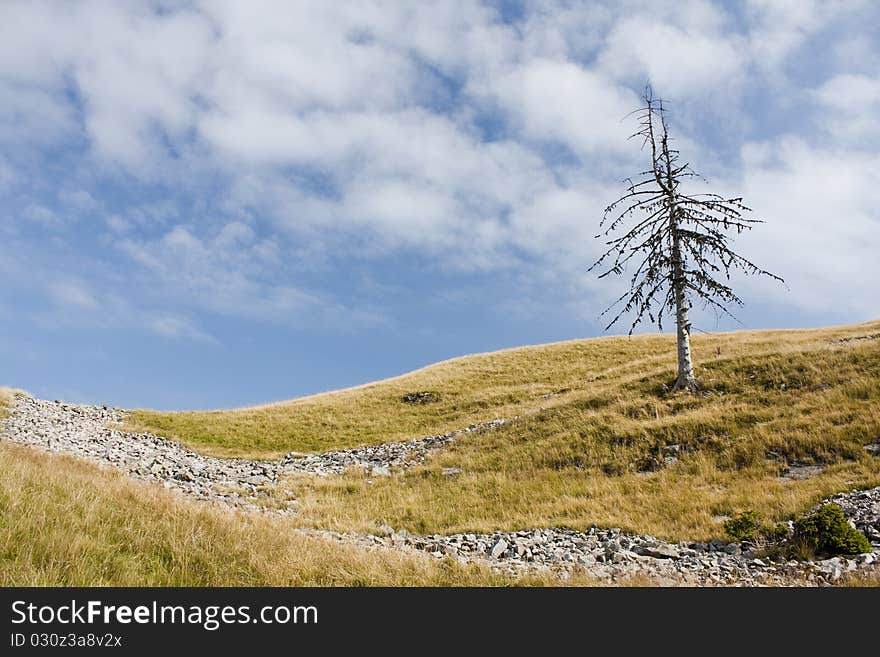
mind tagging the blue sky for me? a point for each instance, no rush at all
(213, 204)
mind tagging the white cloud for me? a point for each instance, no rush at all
(291, 137)
(230, 274)
(563, 101)
(853, 107)
(72, 293)
(821, 225)
(676, 60)
(850, 93)
(562, 222)
(117, 224)
(31, 115)
(78, 199)
(780, 27)
(857, 53)
(42, 215)
(176, 328)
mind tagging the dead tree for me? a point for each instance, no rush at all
(679, 243)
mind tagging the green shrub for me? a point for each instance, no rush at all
(744, 527)
(826, 532)
(776, 533)
(749, 527)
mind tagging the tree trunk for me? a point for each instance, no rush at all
(686, 379)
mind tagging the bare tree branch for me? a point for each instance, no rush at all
(680, 241)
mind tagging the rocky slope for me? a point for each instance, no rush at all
(609, 555)
(90, 432)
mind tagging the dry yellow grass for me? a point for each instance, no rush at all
(793, 397)
(682, 503)
(594, 421)
(6, 397)
(479, 388)
(65, 522)
(866, 579)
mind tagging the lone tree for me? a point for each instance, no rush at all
(678, 242)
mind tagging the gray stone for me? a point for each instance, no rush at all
(498, 549)
(619, 556)
(799, 471)
(660, 551)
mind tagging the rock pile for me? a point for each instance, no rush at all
(613, 556)
(378, 460)
(862, 508)
(88, 432)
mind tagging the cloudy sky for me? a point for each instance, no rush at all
(218, 203)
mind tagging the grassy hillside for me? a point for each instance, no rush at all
(595, 425)
(616, 373)
(466, 390)
(65, 522)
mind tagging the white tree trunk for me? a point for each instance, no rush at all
(686, 379)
